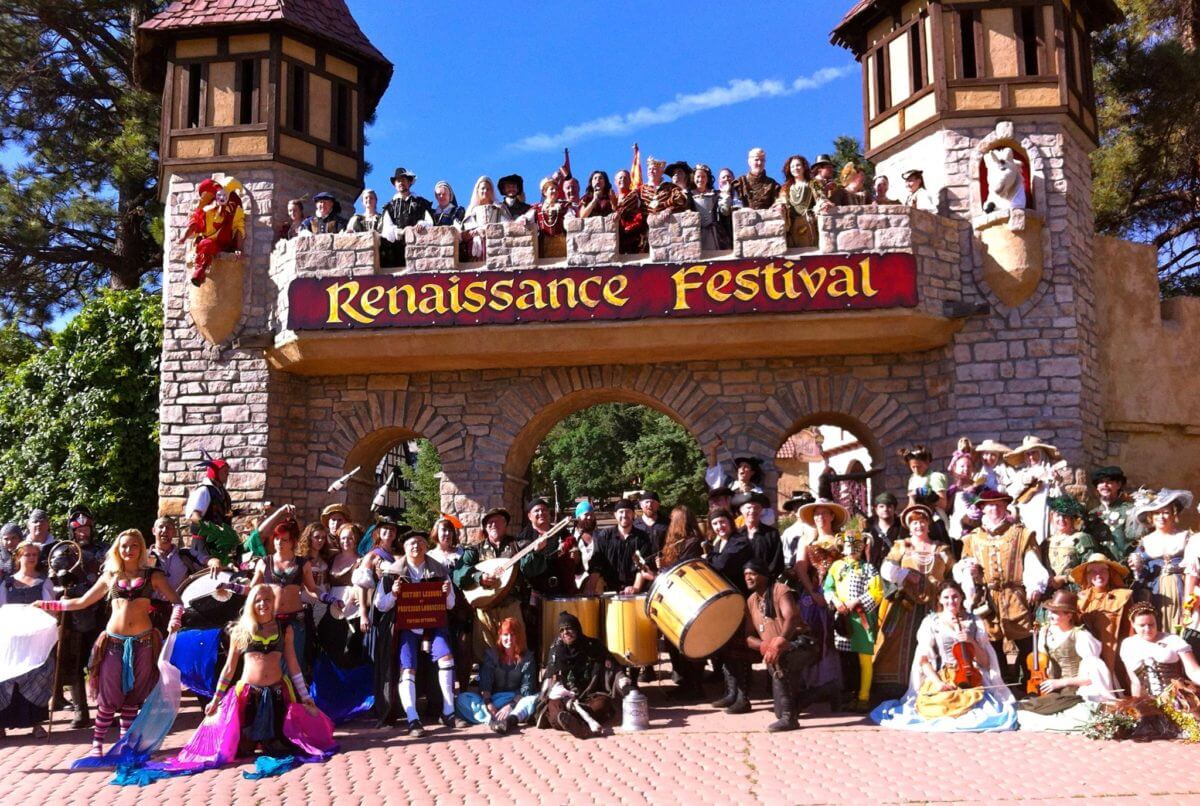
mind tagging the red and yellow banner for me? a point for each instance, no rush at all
(611, 293)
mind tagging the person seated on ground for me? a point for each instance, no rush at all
(328, 219)
(573, 696)
(954, 683)
(1103, 602)
(1076, 677)
(507, 683)
(773, 628)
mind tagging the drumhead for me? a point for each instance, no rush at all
(665, 575)
(350, 608)
(202, 583)
(728, 606)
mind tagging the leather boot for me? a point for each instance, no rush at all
(741, 702)
(730, 689)
(81, 718)
(785, 706)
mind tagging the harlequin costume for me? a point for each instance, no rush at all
(855, 584)
(218, 224)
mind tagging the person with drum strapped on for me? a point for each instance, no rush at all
(730, 552)
(495, 543)
(547, 583)
(123, 667)
(774, 629)
(683, 542)
(622, 557)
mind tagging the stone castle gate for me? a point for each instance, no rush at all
(901, 325)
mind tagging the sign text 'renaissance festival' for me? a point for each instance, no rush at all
(809, 283)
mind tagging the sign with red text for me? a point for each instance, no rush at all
(802, 284)
(420, 605)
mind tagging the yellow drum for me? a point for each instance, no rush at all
(629, 633)
(696, 609)
(584, 608)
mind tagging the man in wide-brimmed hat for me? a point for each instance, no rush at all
(1013, 573)
(1034, 483)
(512, 195)
(1103, 602)
(495, 543)
(403, 211)
(824, 183)
(1115, 509)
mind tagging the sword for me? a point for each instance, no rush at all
(341, 482)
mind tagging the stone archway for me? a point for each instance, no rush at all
(533, 409)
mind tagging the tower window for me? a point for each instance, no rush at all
(917, 55)
(247, 84)
(968, 30)
(1030, 39)
(297, 111)
(343, 115)
(191, 117)
(881, 82)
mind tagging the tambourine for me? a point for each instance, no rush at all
(65, 556)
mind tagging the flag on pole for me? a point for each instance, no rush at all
(635, 173)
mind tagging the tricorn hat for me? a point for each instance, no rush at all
(402, 172)
(912, 173)
(799, 498)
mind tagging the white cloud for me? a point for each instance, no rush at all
(735, 92)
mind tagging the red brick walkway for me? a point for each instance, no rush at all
(691, 755)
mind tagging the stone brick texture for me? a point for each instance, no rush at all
(1005, 373)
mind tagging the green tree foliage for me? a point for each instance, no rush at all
(848, 149)
(77, 205)
(424, 496)
(1147, 170)
(79, 419)
(605, 450)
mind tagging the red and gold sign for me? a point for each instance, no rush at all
(612, 293)
(420, 605)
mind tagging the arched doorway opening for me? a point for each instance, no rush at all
(603, 446)
(832, 456)
(397, 472)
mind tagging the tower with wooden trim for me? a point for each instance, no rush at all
(271, 97)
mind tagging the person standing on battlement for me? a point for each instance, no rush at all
(757, 190)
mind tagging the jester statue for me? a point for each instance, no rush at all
(218, 224)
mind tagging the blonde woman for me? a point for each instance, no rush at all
(123, 668)
(265, 708)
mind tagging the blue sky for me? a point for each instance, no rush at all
(481, 88)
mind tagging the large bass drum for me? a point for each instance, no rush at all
(695, 607)
(629, 633)
(584, 608)
(204, 606)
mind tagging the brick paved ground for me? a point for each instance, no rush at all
(691, 755)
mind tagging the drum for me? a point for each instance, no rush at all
(349, 597)
(695, 607)
(584, 608)
(205, 606)
(629, 633)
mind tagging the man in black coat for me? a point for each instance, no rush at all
(764, 540)
(617, 551)
(404, 210)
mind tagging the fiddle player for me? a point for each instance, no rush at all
(496, 543)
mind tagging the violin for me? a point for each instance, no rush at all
(1036, 663)
(966, 673)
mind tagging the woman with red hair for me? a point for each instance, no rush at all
(288, 573)
(507, 683)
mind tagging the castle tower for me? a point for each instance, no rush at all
(273, 94)
(949, 88)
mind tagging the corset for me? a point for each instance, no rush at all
(1065, 659)
(1155, 677)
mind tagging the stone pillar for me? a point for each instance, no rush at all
(591, 241)
(759, 233)
(674, 237)
(511, 245)
(434, 249)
